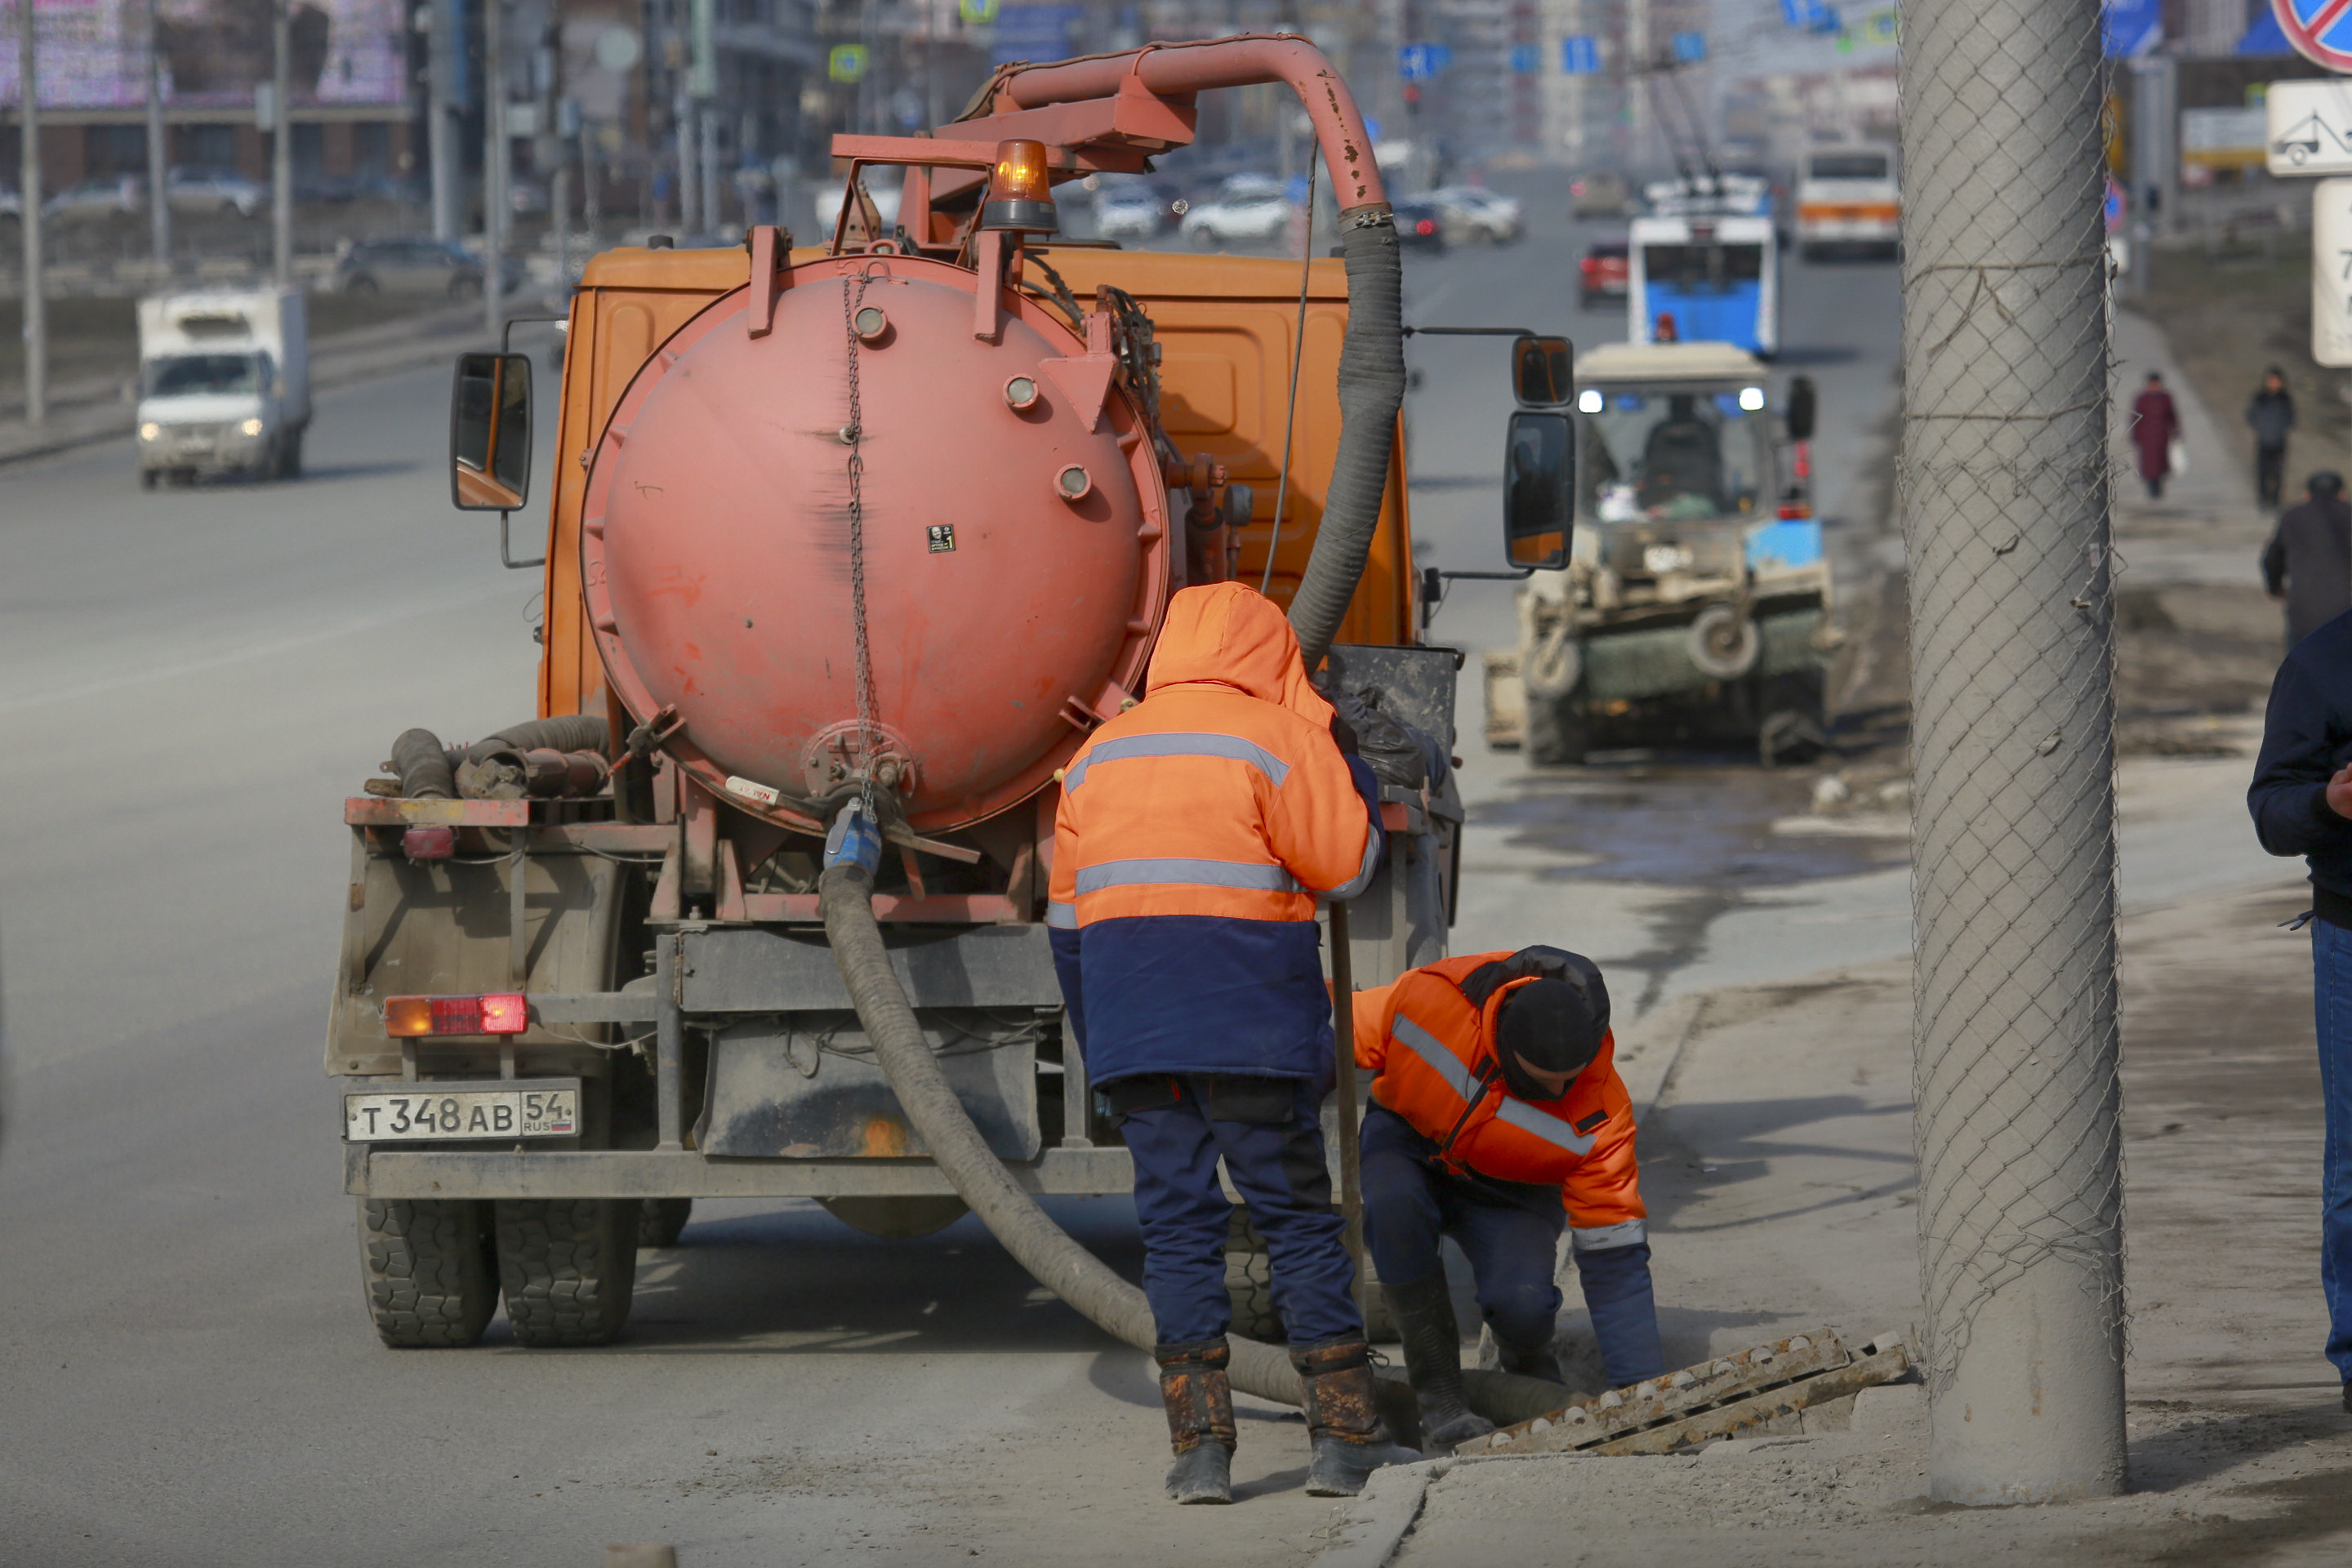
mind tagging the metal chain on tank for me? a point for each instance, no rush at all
(853, 294)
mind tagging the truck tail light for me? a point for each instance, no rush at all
(1794, 512)
(495, 1013)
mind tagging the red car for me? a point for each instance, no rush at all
(1604, 273)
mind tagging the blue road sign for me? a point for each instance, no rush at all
(1419, 62)
(1690, 48)
(1526, 59)
(1580, 56)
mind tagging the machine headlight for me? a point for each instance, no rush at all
(1751, 398)
(1660, 559)
(250, 427)
(1588, 400)
(151, 431)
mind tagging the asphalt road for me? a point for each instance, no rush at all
(196, 678)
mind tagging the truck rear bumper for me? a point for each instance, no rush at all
(380, 1173)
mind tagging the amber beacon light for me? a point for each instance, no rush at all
(1021, 190)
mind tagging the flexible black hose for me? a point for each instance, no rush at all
(422, 766)
(564, 732)
(1013, 1217)
(1371, 391)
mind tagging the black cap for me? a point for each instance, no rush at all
(1552, 1024)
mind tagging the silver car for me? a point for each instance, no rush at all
(215, 190)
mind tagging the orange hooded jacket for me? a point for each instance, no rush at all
(1434, 1054)
(1194, 833)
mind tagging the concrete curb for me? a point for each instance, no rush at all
(1372, 1525)
(1652, 1046)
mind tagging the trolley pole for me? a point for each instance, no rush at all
(28, 188)
(2003, 490)
(281, 143)
(159, 150)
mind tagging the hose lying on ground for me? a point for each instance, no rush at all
(1011, 1216)
(1371, 391)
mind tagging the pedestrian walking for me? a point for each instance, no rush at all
(1499, 1119)
(2156, 425)
(2271, 415)
(2308, 562)
(1195, 832)
(2302, 803)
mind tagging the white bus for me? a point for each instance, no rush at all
(1847, 199)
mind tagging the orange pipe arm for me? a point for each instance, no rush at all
(1253, 58)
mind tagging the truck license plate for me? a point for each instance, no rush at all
(423, 1112)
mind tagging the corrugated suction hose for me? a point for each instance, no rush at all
(1013, 1217)
(1371, 391)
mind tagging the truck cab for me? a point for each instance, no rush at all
(1695, 597)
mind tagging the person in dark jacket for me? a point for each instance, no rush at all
(2271, 415)
(2154, 424)
(2308, 562)
(2302, 805)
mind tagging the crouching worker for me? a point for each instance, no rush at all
(1497, 1116)
(1194, 832)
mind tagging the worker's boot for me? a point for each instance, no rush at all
(1343, 1418)
(1534, 1358)
(1199, 1396)
(1424, 1311)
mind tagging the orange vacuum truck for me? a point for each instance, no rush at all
(862, 539)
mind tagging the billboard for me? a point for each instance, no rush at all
(93, 53)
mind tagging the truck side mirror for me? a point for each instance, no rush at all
(1539, 489)
(1541, 376)
(1800, 408)
(489, 433)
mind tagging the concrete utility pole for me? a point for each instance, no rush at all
(689, 160)
(28, 188)
(281, 143)
(159, 153)
(2003, 490)
(498, 155)
(708, 121)
(441, 44)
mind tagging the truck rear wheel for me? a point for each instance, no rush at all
(660, 1221)
(1249, 1285)
(432, 1282)
(568, 1266)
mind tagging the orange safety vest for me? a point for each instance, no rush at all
(1220, 794)
(1434, 1055)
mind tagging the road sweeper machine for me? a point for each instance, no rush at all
(857, 537)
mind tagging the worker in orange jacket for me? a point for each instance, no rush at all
(1196, 832)
(1498, 1117)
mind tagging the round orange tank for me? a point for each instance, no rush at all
(1002, 610)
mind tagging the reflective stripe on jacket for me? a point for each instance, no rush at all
(1194, 833)
(1435, 1056)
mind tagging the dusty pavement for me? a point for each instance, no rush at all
(1778, 1167)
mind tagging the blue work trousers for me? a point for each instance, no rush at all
(2331, 963)
(1510, 1233)
(1275, 1160)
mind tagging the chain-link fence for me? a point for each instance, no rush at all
(2004, 493)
